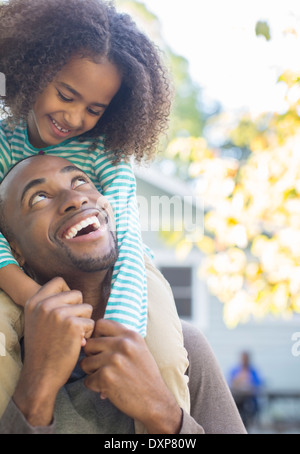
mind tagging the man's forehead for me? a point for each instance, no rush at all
(37, 167)
(40, 167)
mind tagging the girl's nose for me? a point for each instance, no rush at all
(74, 118)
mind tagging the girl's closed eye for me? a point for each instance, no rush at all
(94, 112)
(63, 97)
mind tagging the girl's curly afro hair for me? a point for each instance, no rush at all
(38, 37)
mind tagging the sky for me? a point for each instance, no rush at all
(226, 58)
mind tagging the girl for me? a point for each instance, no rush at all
(83, 83)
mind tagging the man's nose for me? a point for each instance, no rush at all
(71, 200)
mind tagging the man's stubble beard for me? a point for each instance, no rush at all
(93, 264)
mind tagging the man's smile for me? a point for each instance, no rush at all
(84, 226)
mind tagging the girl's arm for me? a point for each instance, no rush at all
(127, 303)
(16, 284)
(13, 281)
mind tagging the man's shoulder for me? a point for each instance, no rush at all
(198, 348)
(192, 335)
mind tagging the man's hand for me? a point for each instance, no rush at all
(56, 322)
(121, 368)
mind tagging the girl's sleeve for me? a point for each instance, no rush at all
(6, 257)
(127, 303)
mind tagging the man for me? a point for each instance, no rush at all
(59, 225)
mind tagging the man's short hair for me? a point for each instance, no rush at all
(4, 228)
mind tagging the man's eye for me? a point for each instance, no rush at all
(79, 182)
(37, 198)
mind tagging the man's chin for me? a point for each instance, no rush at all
(93, 262)
(93, 265)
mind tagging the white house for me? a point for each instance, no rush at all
(274, 344)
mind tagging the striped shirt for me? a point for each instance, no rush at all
(127, 303)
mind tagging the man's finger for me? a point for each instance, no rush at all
(91, 364)
(86, 326)
(56, 285)
(87, 333)
(105, 327)
(51, 288)
(50, 300)
(99, 344)
(67, 308)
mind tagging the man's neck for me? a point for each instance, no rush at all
(95, 288)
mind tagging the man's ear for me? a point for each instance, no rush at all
(17, 253)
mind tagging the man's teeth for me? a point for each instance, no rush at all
(73, 231)
(59, 127)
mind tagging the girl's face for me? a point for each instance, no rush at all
(73, 102)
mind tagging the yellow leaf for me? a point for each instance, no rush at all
(206, 245)
(183, 249)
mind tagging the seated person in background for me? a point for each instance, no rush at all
(80, 372)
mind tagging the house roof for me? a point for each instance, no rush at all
(170, 184)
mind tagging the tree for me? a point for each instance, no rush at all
(252, 220)
(188, 114)
(252, 199)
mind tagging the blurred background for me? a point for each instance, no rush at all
(220, 206)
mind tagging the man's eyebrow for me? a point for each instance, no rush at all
(75, 93)
(71, 168)
(30, 185)
(39, 181)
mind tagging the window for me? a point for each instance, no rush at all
(180, 280)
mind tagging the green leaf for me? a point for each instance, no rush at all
(262, 29)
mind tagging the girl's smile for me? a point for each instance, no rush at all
(73, 102)
(58, 130)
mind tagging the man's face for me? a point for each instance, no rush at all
(61, 225)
